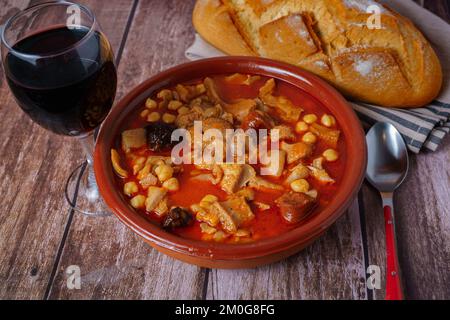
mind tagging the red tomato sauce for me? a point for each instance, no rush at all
(267, 223)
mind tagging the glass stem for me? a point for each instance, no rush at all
(88, 145)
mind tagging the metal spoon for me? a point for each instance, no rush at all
(386, 170)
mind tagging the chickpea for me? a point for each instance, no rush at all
(301, 127)
(310, 118)
(145, 113)
(164, 172)
(165, 94)
(174, 105)
(130, 188)
(328, 120)
(183, 110)
(171, 184)
(200, 88)
(300, 185)
(330, 155)
(309, 138)
(168, 118)
(138, 202)
(153, 117)
(151, 104)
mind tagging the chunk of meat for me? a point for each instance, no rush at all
(134, 138)
(216, 123)
(211, 91)
(148, 180)
(264, 185)
(300, 171)
(248, 173)
(257, 120)
(284, 132)
(206, 215)
(162, 208)
(177, 217)
(318, 172)
(204, 177)
(277, 163)
(268, 88)
(247, 193)
(232, 213)
(216, 172)
(295, 207)
(225, 218)
(296, 151)
(330, 136)
(231, 175)
(159, 135)
(154, 196)
(236, 176)
(320, 175)
(241, 108)
(287, 110)
(239, 210)
(186, 120)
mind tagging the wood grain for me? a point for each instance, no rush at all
(116, 263)
(439, 7)
(35, 165)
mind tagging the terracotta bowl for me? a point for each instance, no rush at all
(219, 255)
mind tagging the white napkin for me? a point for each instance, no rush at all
(422, 128)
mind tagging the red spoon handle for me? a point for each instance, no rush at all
(394, 289)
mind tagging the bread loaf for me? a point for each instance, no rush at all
(392, 66)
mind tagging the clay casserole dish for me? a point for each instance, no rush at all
(220, 255)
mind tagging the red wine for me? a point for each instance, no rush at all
(64, 79)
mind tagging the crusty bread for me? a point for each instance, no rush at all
(394, 66)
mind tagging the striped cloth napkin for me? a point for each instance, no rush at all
(422, 128)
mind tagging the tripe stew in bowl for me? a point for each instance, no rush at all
(180, 163)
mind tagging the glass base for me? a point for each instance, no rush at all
(82, 192)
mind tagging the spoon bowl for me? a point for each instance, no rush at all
(388, 162)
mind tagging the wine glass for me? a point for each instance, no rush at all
(60, 68)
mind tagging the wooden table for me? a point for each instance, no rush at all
(40, 237)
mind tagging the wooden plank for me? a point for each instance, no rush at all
(439, 7)
(115, 263)
(35, 165)
(331, 268)
(422, 218)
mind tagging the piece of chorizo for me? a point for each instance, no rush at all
(295, 207)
